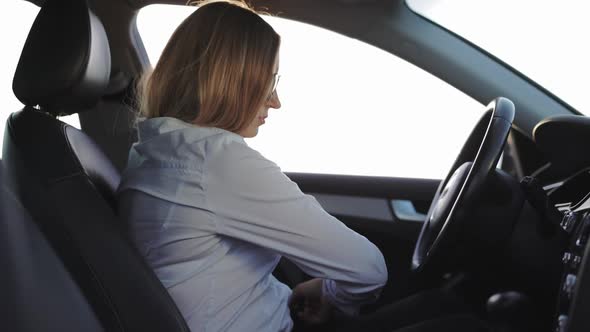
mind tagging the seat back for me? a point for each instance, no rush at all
(38, 294)
(66, 182)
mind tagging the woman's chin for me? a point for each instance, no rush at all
(250, 133)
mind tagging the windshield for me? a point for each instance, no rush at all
(545, 40)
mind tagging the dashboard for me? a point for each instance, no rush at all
(562, 140)
(572, 199)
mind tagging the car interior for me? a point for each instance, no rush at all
(506, 230)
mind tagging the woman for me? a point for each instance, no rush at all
(211, 215)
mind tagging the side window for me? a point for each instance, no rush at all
(16, 19)
(347, 107)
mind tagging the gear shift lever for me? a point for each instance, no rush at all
(510, 312)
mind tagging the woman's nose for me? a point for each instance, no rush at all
(274, 101)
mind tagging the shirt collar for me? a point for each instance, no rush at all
(149, 128)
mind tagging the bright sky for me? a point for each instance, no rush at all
(546, 40)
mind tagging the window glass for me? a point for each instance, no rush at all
(347, 107)
(545, 40)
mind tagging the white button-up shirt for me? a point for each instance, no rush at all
(213, 217)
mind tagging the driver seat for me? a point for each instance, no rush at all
(65, 181)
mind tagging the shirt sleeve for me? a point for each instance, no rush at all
(255, 202)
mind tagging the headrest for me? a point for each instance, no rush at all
(66, 63)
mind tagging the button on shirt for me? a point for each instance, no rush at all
(212, 217)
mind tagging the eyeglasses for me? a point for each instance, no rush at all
(275, 83)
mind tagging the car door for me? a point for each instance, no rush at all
(387, 210)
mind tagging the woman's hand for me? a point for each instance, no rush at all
(308, 303)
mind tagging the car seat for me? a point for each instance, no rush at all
(63, 178)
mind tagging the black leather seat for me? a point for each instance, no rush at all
(38, 294)
(65, 181)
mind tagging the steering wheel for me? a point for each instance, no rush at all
(472, 168)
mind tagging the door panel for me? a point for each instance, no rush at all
(388, 211)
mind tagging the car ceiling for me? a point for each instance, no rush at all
(387, 24)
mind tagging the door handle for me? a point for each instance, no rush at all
(405, 210)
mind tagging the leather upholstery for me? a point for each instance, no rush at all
(65, 64)
(74, 153)
(38, 294)
(87, 235)
(66, 182)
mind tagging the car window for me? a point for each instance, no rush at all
(545, 40)
(347, 107)
(16, 18)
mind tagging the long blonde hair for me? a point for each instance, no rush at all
(216, 69)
